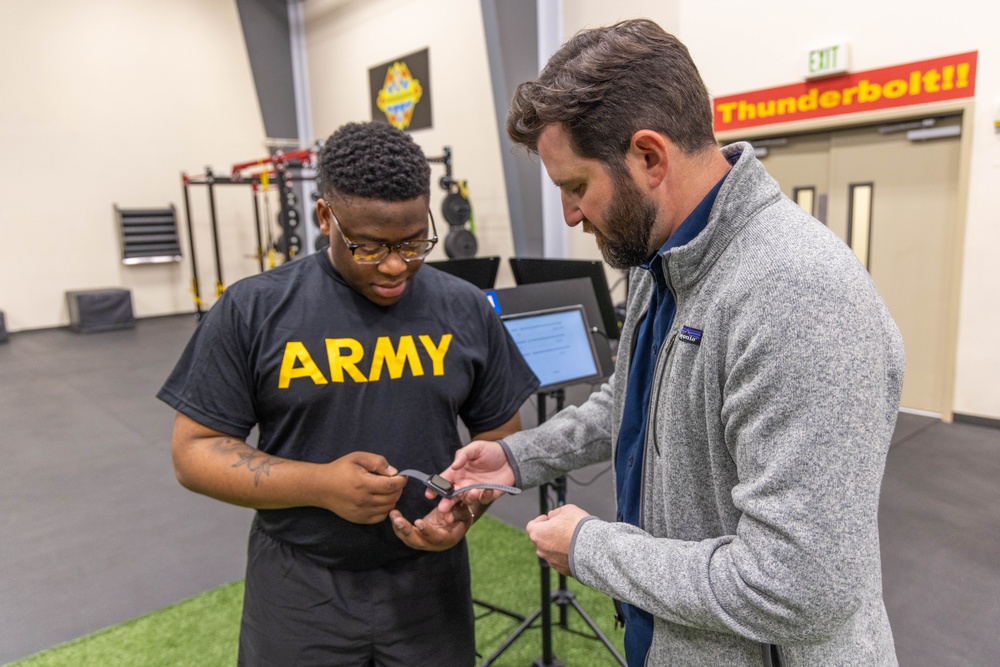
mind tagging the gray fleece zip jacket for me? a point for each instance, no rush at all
(765, 447)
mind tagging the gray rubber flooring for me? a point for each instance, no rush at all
(95, 530)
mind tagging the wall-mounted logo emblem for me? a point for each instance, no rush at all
(400, 91)
(399, 95)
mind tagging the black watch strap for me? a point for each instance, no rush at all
(444, 488)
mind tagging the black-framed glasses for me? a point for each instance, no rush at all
(375, 253)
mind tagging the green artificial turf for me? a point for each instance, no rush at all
(505, 573)
(203, 630)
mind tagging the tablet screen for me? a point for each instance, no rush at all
(557, 345)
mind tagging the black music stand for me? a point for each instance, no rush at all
(562, 596)
(533, 270)
(480, 271)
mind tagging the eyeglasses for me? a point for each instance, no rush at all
(375, 253)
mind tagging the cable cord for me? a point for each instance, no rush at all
(592, 479)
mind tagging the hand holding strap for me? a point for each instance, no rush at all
(446, 489)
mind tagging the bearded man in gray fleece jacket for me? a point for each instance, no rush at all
(756, 387)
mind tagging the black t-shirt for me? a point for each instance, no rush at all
(324, 372)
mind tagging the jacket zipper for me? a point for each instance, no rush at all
(658, 371)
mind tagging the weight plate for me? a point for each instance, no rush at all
(456, 209)
(460, 243)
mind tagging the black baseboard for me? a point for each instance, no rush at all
(190, 313)
(977, 421)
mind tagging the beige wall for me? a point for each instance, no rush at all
(585, 14)
(344, 40)
(741, 47)
(106, 102)
(341, 48)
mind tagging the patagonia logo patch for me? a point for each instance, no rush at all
(689, 335)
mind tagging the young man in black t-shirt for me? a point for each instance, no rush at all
(354, 366)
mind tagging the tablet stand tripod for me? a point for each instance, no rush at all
(561, 597)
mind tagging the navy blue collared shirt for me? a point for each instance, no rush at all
(632, 436)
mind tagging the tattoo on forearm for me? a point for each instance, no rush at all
(254, 460)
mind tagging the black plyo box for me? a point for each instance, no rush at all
(96, 310)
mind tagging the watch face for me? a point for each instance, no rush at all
(440, 484)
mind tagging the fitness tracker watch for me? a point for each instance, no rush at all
(446, 489)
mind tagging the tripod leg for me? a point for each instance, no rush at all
(510, 640)
(499, 610)
(596, 630)
(545, 609)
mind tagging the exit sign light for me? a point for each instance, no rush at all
(827, 60)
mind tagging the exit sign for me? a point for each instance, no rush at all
(827, 60)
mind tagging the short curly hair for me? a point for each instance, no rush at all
(373, 161)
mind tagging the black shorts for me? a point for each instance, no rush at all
(298, 612)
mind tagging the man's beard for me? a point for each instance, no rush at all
(627, 227)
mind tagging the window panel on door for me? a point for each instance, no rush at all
(806, 198)
(859, 221)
